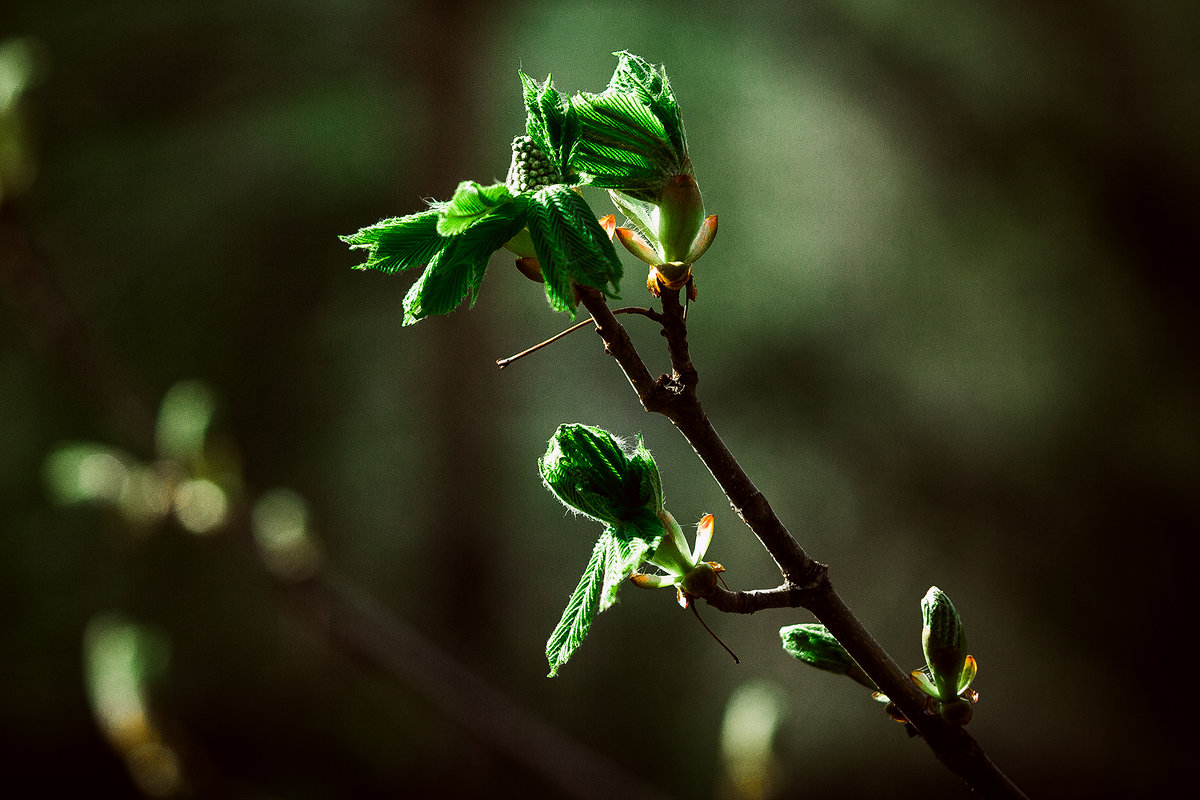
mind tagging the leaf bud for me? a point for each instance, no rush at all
(588, 471)
(944, 641)
(813, 644)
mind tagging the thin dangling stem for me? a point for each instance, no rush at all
(696, 611)
(645, 312)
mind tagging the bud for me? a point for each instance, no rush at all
(944, 641)
(671, 232)
(813, 644)
(529, 169)
(680, 214)
(683, 570)
(588, 471)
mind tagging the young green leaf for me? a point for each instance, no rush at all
(629, 545)
(651, 482)
(624, 145)
(551, 122)
(638, 76)
(581, 610)
(571, 246)
(632, 137)
(587, 470)
(458, 268)
(399, 243)
(617, 555)
(471, 203)
(454, 240)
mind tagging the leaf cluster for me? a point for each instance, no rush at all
(586, 468)
(627, 138)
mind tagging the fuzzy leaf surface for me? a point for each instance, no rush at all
(616, 556)
(581, 610)
(550, 121)
(471, 203)
(399, 243)
(571, 246)
(458, 268)
(638, 76)
(585, 467)
(632, 132)
(629, 545)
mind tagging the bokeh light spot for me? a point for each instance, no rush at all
(200, 505)
(281, 529)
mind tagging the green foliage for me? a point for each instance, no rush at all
(586, 468)
(471, 203)
(552, 123)
(400, 243)
(457, 268)
(616, 556)
(628, 138)
(633, 139)
(571, 246)
(813, 644)
(580, 611)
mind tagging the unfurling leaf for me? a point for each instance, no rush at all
(588, 471)
(632, 136)
(581, 610)
(551, 123)
(617, 554)
(458, 268)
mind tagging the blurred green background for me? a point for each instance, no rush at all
(947, 326)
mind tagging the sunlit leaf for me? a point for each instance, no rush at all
(470, 204)
(586, 468)
(628, 547)
(399, 243)
(551, 121)
(638, 76)
(458, 268)
(581, 610)
(570, 246)
(632, 135)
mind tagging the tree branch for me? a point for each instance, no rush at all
(806, 581)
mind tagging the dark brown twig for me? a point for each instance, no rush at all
(806, 581)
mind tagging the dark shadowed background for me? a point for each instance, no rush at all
(947, 326)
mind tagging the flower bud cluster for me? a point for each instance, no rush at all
(530, 170)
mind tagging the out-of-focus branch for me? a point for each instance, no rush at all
(357, 625)
(362, 627)
(56, 328)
